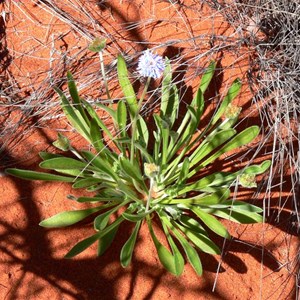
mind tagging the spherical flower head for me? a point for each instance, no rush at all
(151, 65)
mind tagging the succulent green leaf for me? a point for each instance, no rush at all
(238, 216)
(62, 163)
(95, 116)
(32, 175)
(207, 76)
(233, 91)
(96, 137)
(85, 182)
(208, 145)
(169, 108)
(62, 143)
(46, 155)
(142, 131)
(122, 118)
(75, 97)
(190, 251)
(97, 45)
(243, 138)
(183, 175)
(73, 115)
(132, 170)
(166, 87)
(98, 199)
(164, 255)
(178, 258)
(68, 218)
(106, 240)
(201, 241)
(127, 249)
(203, 199)
(211, 222)
(100, 163)
(82, 245)
(101, 221)
(192, 224)
(136, 217)
(257, 169)
(126, 86)
(243, 206)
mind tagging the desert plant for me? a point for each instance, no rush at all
(158, 176)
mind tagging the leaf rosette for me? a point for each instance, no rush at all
(149, 177)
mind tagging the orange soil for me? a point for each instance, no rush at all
(257, 265)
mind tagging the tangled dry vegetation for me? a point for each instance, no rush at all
(264, 46)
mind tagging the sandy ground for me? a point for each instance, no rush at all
(258, 264)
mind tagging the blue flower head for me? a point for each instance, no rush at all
(151, 65)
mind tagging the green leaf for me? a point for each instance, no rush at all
(32, 175)
(201, 241)
(184, 171)
(82, 245)
(126, 86)
(191, 253)
(95, 116)
(96, 137)
(165, 89)
(75, 97)
(164, 255)
(204, 199)
(122, 118)
(223, 178)
(73, 172)
(231, 94)
(218, 178)
(132, 171)
(178, 258)
(142, 131)
(144, 152)
(257, 169)
(207, 76)
(209, 144)
(211, 222)
(97, 45)
(46, 155)
(243, 138)
(62, 143)
(85, 182)
(238, 216)
(73, 116)
(110, 111)
(192, 224)
(170, 106)
(127, 249)
(62, 163)
(101, 221)
(126, 190)
(100, 164)
(243, 206)
(68, 218)
(137, 217)
(106, 240)
(98, 199)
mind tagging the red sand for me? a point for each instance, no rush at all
(259, 265)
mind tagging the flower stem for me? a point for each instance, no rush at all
(103, 74)
(149, 195)
(135, 119)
